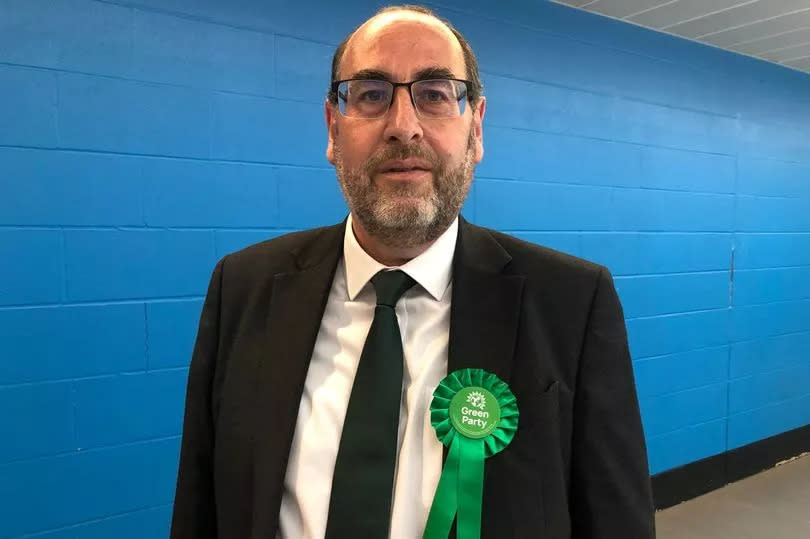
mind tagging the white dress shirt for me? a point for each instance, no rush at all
(423, 313)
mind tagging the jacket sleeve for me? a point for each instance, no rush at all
(194, 515)
(611, 494)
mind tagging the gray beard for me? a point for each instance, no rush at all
(406, 215)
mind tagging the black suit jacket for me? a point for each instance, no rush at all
(548, 324)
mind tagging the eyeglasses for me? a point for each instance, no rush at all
(371, 98)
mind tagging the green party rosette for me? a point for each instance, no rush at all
(475, 414)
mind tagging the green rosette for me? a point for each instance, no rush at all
(475, 415)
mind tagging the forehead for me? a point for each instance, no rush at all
(402, 43)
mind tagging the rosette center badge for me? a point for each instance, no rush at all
(474, 412)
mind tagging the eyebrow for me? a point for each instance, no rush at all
(433, 72)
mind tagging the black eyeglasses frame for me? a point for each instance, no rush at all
(334, 95)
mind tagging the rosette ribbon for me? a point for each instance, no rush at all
(475, 414)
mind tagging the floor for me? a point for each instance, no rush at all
(774, 504)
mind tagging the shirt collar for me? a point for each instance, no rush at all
(431, 269)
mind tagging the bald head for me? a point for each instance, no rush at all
(414, 32)
(396, 32)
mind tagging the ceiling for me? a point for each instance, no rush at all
(774, 30)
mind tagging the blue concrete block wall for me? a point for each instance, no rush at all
(141, 140)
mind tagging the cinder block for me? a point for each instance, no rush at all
(542, 157)
(257, 129)
(674, 411)
(296, 19)
(38, 421)
(513, 154)
(660, 125)
(27, 107)
(629, 253)
(670, 334)
(86, 485)
(773, 178)
(769, 388)
(678, 372)
(140, 524)
(125, 116)
(53, 343)
(768, 354)
(303, 69)
(769, 319)
(682, 56)
(768, 285)
(32, 267)
(185, 193)
(673, 252)
(309, 198)
(190, 52)
(284, 16)
(754, 250)
(548, 108)
(129, 407)
(668, 294)
(621, 252)
(524, 53)
(172, 328)
(687, 171)
(516, 51)
(748, 427)
(73, 35)
(772, 214)
(247, 13)
(652, 210)
(21, 32)
(513, 205)
(782, 139)
(108, 264)
(683, 446)
(47, 187)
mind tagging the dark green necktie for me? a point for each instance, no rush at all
(362, 487)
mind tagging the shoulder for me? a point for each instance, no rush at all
(290, 252)
(531, 259)
(280, 250)
(556, 283)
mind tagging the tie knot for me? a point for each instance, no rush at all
(390, 285)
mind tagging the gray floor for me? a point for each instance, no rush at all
(774, 504)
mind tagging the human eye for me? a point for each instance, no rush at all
(371, 96)
(369, 91)
(368, 98)
(437, 98)
(434, 93)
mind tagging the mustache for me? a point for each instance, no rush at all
(400, 152)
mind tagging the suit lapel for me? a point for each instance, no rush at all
(484, 317)
(298, 301)
(485, 309)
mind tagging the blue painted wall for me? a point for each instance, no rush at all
(141, 140)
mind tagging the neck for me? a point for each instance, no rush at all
(386, 254)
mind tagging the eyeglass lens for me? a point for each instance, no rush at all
(439, 98)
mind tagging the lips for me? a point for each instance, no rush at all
(403, 170)
(408, 165)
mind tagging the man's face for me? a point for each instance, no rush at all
(404, 208)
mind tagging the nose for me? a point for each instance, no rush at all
(402, 124)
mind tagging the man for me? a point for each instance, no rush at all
(280, 436)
